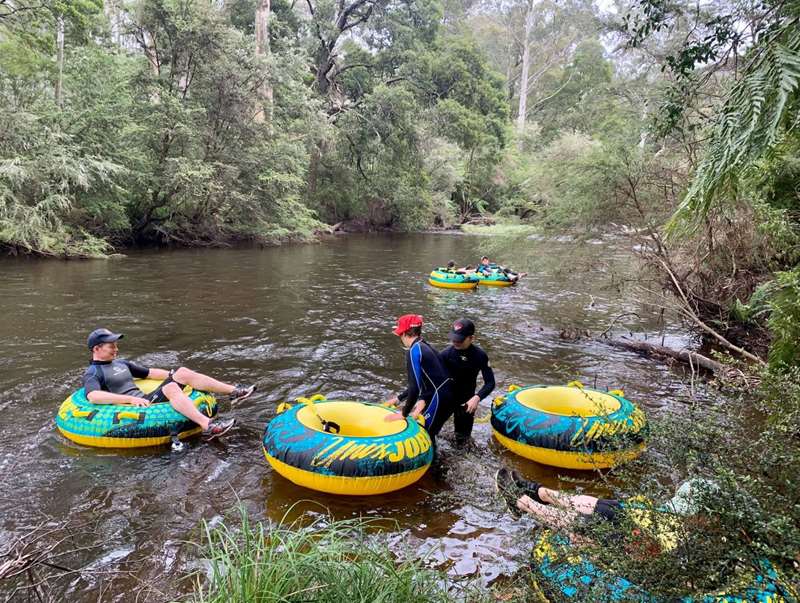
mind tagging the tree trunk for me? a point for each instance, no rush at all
(526, 63)
(687, 356)
(112, 15)
(264, 113)
(60, 60)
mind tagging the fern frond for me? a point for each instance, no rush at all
(760, 109)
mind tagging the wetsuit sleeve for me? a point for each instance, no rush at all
(403, 395)
(488, 378)
(414, 365)
(92, 380)
(137, 370)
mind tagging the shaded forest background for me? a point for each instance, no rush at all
(197, 122)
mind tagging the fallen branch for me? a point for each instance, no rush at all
(690, 313)
(690, 358)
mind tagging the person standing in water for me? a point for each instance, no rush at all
(428, 392)
(464, 360)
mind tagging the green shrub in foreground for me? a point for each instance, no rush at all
(332, 562)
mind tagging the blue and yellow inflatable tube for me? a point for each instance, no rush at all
(125, 426)
(562, 573)
(452, 280)
(367, 456)
(571, 427)
(495, 278)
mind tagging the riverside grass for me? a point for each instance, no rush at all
(322, 562)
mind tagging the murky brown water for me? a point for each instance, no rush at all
(295, 320)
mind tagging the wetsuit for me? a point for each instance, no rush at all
(464, 366)
(427, 380)
(116, 376)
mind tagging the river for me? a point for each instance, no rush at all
(295, 320)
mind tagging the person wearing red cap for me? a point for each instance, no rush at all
(428, 392)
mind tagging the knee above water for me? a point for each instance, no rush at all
(181, 374)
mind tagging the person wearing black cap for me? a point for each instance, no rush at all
(464, 360)
(109, 380)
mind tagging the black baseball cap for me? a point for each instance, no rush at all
(462, 328)
(99, 336)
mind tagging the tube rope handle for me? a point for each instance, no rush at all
(575, 383)
(617, 392)
(485, 418)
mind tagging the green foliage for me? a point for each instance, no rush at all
(758, 111)
(749, 447)
(784, 320)
(330, 562)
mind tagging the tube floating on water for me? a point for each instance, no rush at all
(346, 447)
(126, 426)
(571, 427)
(496, 278)
(452, 280)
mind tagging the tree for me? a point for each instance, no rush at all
(264, 111)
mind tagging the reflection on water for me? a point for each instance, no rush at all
(295, 320)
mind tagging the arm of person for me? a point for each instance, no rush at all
(415, 412)
(414, 366)
(488, 379)
(488, 386)
(101, 397)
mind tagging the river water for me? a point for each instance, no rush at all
(295, 320)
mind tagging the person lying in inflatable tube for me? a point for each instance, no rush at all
(561, 510)
(451, 267)
(109, 380)
(487, 267)
(643, 529)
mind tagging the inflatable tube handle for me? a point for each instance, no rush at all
(498, 400)
(128, 414)
(283, 406)
(302, 400)
(617, 392)
(576, 383)
(330, 426)
(513, 388)
(317, 397)
(83, 414)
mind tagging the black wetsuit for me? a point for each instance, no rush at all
(464, 366)
(116, 376)
(427, 380)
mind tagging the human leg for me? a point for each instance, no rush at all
(205, 383)
(580, 503)
(200, 381)
(553, 517)
(443, 412)
(184, 404)
(463, 422)
(518, 502)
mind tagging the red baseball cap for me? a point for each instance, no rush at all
(405, 322)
